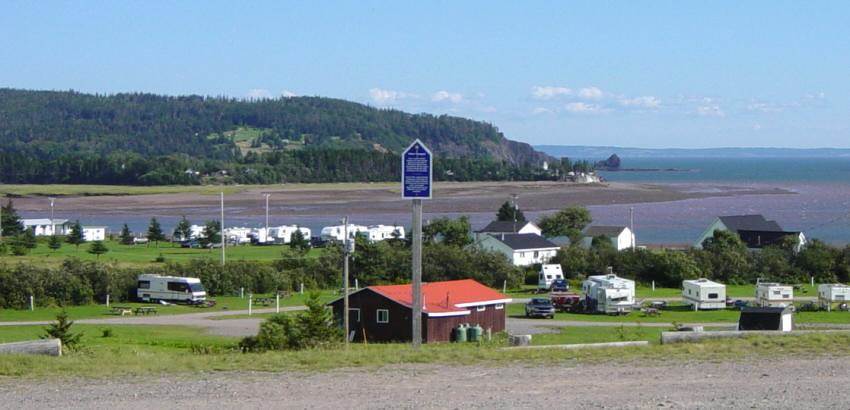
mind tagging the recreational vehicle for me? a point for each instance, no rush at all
(171, 288)
(829, 293)
(549, 273)
(337, 233)
(769, 294)
(383, 232)
(609, 293)
(704, 294)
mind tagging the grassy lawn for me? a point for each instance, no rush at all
(147, 254)
(153, 350)
(598, 334)
(223, 303)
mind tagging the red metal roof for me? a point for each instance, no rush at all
(444, 297)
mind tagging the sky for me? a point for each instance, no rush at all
(631, 73)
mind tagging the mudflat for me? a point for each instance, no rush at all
(364, 199)
(778, 383)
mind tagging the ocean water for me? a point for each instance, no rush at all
(819, 202)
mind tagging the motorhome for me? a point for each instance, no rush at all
(609, 293)
(153, 288)
(769, 294)
(703, 294)
(829, 293)
(549, 273)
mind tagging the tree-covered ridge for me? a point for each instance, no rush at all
(135, 138)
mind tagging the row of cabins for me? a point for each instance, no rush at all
(47, 227)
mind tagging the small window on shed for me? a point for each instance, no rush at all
(713, 296)
(383, 316)
(481, 308)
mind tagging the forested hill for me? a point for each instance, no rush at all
(285, 139)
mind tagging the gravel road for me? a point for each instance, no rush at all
(773, 384)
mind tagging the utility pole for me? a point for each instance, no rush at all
(52, 225)
(267, 218)
(345, 320)
(223, 241)
(516, 207)
(632, 225)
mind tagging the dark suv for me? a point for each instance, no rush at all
(539, 307)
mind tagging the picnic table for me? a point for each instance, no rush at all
(263, 301)
(651, 312)
(146, 310)
(121, 310)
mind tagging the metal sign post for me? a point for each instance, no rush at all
(416, 181)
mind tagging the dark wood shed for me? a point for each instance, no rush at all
(383, 313)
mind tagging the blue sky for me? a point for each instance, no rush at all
(630, 73)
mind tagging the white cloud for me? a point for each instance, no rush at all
(288, 94)
(710, 110)
(382, 96)
(258, 94)
(590, 93)
(584, 108)
(647, 101)
(443, 95)
(549, 92)
(541, 110)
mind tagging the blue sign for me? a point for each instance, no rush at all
(416, 172)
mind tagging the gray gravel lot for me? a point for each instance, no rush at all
(774, 384)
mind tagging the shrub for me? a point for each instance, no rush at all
(61, 329)
(309, 329)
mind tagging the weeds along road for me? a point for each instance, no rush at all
(780, 383)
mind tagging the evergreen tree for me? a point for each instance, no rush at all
(183, 229)
(61, 329)
(10, 220)
(126, 236)
(298, 242)
(510, 212)
(211, 234)
(97, 248)
(28, 238)
(155, 232)
(54, 243)
(75, 235)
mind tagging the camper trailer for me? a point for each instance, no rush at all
(171, 288)
(337, 233)
(549, 273)
(383, 232)
(704, 294)
(769, 294)
(829, 293)
(609, 294)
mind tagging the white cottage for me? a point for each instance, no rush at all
(521, 249)
(621, 236)
(769, 294)
(46, 227)
(704, 294)
(609, 293)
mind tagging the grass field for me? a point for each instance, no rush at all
(154, 350)
(223, 303)
(134, 255)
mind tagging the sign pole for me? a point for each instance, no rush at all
(417, 273)
(416, 180)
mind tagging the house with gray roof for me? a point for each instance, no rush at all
(621, 236)
(522, 249)
(755, 231)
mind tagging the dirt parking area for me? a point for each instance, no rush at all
(769, 384)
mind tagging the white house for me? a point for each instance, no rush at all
(337, 232)
(621, 236)
(769, 294)
(94, 233)
(44, 227)
(704, 294)
(754, 230)
(506, 227)
(829, 293)
(521, 249)
(383, 232)
(609, 293)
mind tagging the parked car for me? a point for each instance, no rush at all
(740, 304)
(560, 285)
(540, 307)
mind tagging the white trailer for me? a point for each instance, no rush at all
(153, 288)
(383, 232)
(770, 294)
(704, 294)
(336, 233)
(829, 293)
(609, 293)
(549, 273)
